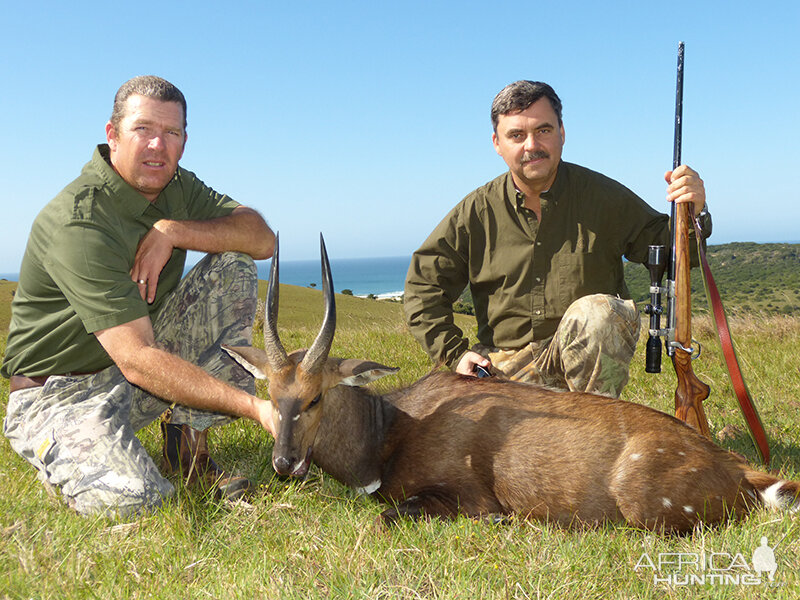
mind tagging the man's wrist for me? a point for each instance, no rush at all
(166, 227)
(458, 355)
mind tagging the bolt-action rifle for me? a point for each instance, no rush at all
(690, 392)
(680, 346)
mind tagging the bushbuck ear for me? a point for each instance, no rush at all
(360, 372)
(249, 358)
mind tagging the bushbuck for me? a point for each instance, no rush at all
(450, 444)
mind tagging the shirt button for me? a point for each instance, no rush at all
(538, 280)
(538, 243)
(538, 312)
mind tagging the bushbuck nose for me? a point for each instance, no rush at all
(282, 465)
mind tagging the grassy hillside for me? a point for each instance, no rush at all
(7, 289)
(750, 277)
(317, 539)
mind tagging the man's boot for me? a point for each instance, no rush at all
(186, 452)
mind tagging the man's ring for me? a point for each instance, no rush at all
(142, 282)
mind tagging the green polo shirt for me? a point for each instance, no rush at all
(75, 274)
(523, 274)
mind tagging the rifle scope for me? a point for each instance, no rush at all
(656, 265)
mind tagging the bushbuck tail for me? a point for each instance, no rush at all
(449, 444)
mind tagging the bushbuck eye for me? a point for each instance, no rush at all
(315, 401)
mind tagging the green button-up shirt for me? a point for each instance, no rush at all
(75, 274)
(523, 274)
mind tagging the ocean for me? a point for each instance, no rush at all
(383, 277)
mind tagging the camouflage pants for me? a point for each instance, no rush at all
(590, 351)
(79, 431)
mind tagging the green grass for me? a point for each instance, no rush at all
(317, 539)
(7, 289)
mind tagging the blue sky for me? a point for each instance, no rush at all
(369, 121)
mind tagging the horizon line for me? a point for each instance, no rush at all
(14, 276)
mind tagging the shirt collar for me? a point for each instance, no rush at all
(551, 195)
(559, 185)
(513, 193)
(130, 199)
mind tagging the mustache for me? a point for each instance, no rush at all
(535, 155)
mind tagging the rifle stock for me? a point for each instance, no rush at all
(690, 392)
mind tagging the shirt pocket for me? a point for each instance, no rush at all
(574, 275)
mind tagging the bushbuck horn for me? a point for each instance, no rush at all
(316, 356)
(276, 355)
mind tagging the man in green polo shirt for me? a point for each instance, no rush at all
(541, 248)
(106, 336)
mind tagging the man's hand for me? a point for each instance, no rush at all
(244, 230)
(685, 185)
(153, 253)
(266, 416)
(466, 366)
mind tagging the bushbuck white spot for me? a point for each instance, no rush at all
(688, 509)
(770, 495)
(636, 456)
(369, 488)
(666, 502)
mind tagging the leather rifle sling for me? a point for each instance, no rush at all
(746, 403)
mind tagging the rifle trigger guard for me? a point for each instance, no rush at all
(691, 350)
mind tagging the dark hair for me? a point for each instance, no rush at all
(148, 86)
(520, 95)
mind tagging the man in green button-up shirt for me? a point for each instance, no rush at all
(105, 335)
(541, 248)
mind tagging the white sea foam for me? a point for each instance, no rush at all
(385, 296)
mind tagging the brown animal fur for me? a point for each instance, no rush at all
(450, 444)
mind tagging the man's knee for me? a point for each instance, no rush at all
(599, 316)
(238, 263)
(217, 299)
(596, 342)
(237, 260)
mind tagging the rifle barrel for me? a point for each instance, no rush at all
(676, 153)
(676, 161)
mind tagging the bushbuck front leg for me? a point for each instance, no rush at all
(441, 504)
(423, 505)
